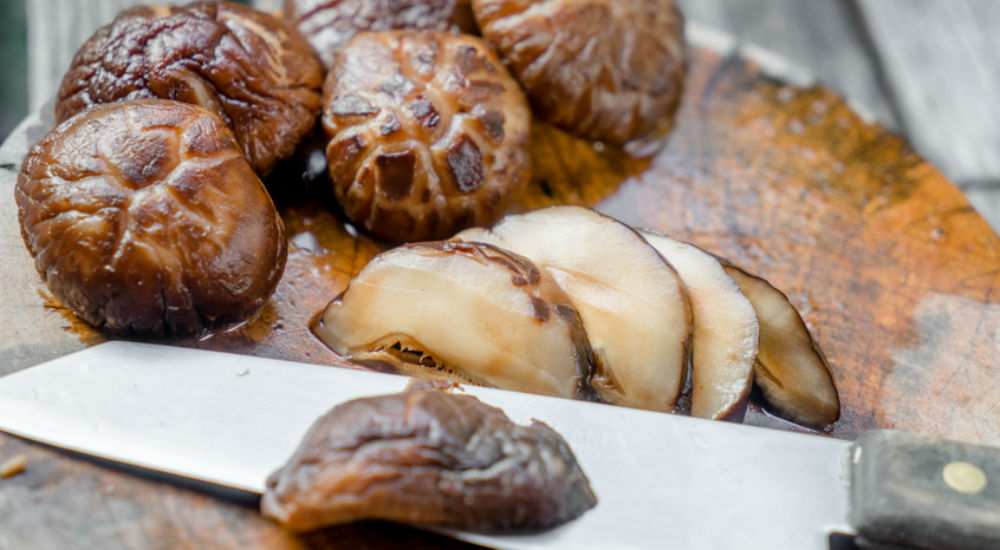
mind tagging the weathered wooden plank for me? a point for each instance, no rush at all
(986, 200)
(267, 5)
(56, 28)
(943, 63)
(13, 86)
(822, 37)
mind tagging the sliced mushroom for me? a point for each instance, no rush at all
(431, 457)
(632, 303)
(725, 330)
(790, 369)
(464, 312)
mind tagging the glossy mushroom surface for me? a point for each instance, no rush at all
(632, 303)
(790, 369)
(430, 457)
(145, 218)
(469, 313)
(428, 134)
(329, 24)
(608, 70)
(253, 70)
(725, 330)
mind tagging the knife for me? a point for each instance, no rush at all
(662, 481)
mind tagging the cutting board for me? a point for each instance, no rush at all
(896, 275)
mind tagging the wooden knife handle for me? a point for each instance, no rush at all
(917, 491)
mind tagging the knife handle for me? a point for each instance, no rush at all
(917, 491)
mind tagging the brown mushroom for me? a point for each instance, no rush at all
(329, 24)
(144, 217)
(463, 312)
(430, 457)
(608, 70)
(253, 70)
(790, 369)
(428, 133)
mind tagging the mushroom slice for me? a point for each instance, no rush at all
(631, 301)
(463, 312)
(791, 371)
(725, 330)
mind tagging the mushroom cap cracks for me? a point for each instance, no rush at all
(144, 217)
(428, 134)
(255, 71)
(609, 70)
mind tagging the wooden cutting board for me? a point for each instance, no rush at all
(896, 275)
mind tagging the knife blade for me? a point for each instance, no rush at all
(662, 481)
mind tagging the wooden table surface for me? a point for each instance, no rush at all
(889, 264)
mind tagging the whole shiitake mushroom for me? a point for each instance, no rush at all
(253, 70)
(329, 24)
(608, 70)
(145, 218)
(428, 133)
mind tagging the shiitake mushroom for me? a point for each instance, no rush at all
(145, 218)
(253, 70)
(608, 70)
(430, 457)
(428, 133)
(329, 24)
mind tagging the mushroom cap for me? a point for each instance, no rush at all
(253, 70)
(431, 457)
(329, 24)
(144, 217)
(428, 133)
(608, 70)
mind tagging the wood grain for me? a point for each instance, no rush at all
(941, 59)
(823, 36)
(894, 272)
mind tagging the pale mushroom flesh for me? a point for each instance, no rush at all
(464, 312)
(632, 303)
(725, 331)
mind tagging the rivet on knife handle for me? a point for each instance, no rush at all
(919, 491)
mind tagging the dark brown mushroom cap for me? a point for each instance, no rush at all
(252, 69)
(607, 70)
(329, 24)
(428, 133)
(144, 217)
(431, 457)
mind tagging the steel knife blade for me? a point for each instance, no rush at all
(662, 481)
